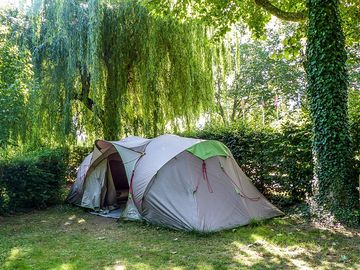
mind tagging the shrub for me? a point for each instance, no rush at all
(33, 180)
(77, 155)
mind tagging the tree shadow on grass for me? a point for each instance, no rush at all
(68, 238)
(277, 245)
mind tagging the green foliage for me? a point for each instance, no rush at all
(33, 180)
(15, 79)
(76, 156)
(279, 163)
(253, 86)
(218, 14)
(256, 14)
(334, 181)
(111, 69)
(354, 115)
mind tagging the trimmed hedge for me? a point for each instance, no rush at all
(34, 180)
(279, 163)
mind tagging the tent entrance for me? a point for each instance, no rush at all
(117, 190)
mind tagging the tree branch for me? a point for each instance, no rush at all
(85, 91)
(281, 14)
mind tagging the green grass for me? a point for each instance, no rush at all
(64, 238)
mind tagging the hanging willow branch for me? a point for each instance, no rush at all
(135, 72)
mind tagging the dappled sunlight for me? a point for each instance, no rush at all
(140, 266)
(308, 256)
(116, 266)
(74, 219)
(14, 255)
(339, 229)
(204, 266)
(81, 220)
(246, 256)
(256, 237)
(338, 265)
(64, 266)
(263, 252)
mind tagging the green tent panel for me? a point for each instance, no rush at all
(208, 149)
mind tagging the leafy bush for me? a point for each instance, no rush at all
(76, 156)
(279, 163)
(33, 180)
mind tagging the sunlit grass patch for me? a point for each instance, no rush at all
(67, 238)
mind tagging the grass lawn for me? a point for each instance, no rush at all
(66, 237)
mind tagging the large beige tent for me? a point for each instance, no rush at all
(178, 182)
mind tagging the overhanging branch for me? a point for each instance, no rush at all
(281, 14)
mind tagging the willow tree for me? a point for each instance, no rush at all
(15, 77)
(334, 185)
(112, 68)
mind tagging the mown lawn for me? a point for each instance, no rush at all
(66, 237)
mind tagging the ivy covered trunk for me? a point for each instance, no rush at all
(334, 184)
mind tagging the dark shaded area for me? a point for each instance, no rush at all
(118, 174)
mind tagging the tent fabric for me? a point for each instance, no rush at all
(208, 149)
(76, 190)
(158, 153)
(129, 159)
(135, 143)
(202, 210)
(94, 186)
(182, 183)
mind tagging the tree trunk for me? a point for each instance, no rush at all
(334, 183)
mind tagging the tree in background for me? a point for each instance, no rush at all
(253, 85)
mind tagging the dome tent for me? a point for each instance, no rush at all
(178, 182)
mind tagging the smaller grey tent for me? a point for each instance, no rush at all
(178, 182)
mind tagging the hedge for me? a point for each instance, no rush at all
(33, 180)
